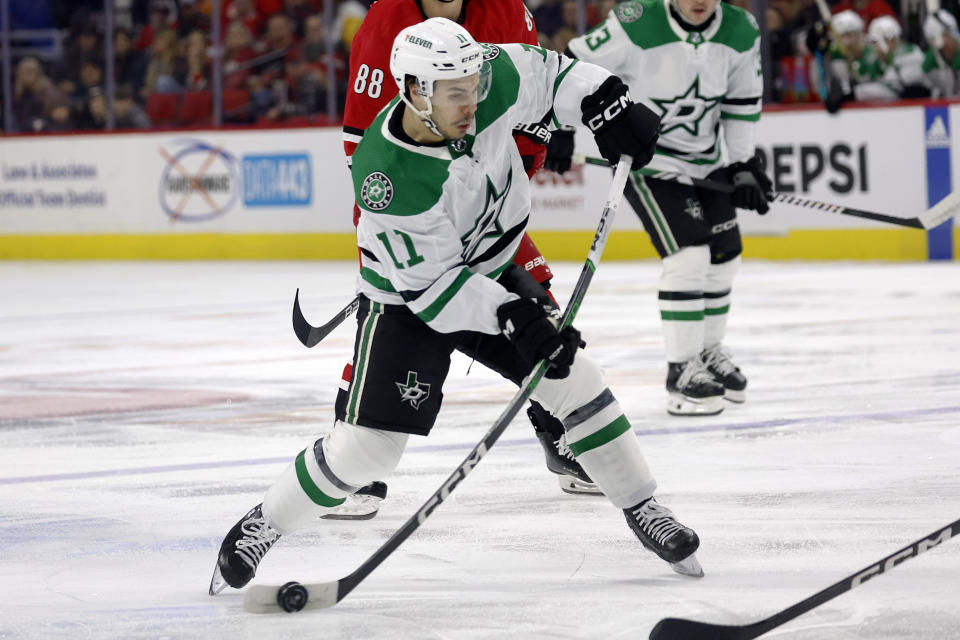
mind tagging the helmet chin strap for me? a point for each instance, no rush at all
(424, 115)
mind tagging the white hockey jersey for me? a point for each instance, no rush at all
(438, 224)
(698, 82)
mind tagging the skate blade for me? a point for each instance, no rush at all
(577, 487)
(355, 508)
(689, 566)
(217, 582)
(681, 405)
(732, 395)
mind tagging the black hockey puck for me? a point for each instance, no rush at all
(292, 597)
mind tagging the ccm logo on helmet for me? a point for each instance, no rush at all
(609, 113)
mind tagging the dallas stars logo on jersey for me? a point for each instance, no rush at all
(687, 110)
(414, 391)
(377, 191)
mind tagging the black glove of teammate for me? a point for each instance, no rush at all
(620, 125)
(526, 324)
(559, 151)
(818, 37)
(751, 186)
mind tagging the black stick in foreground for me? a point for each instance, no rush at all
(680, 629)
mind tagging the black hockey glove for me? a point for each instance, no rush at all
(559, 151)
(527, 326)
(752, 189)
(818, 37)
(620, 125)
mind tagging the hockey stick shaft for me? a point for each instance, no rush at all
(935, 216)
(325, 594)
(310, 335)
(681, 629)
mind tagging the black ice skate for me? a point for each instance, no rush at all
(658, 530)
(561, 461)
(571, 476)
(362, 505)
(241, 551)
(719, 364)
(692, 390)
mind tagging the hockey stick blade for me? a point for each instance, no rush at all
(310, 335)
(681, 629)
(265, 598)
(939, 213)
(935, 216)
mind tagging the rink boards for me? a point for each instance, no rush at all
(287, 194)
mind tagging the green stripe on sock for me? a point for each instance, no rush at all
(719, 311)
(681, 315)
(599, 438)
(310, 488)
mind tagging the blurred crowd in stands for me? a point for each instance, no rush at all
(276, 68)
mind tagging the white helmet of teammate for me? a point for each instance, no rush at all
(846, 22)
(883, 31)
(436, 49)
(937, 24)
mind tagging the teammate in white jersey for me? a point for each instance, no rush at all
(445, 202)
(697, 64)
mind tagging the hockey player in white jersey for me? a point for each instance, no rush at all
(445, 202)
(899, 64)
(697, 64)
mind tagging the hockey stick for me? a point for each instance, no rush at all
(680, 629)
(935, 216)
(294, 597)
(310, 335)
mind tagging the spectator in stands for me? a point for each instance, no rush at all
(899, 64)
(92, 112)
(91, 76)
(85, 46)
(194, 16)
(127, 113)
(866, 9)
(308, 68)
(163, 16)
(34, 96)
(548, 16)
(941, 62)
(270, 97)
(245, 12)
(237, 54)
(198, 63)
(166, 71)
(129, 65)
(298, 11)
(59, 116)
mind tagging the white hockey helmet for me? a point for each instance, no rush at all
(882, 30)
(846, 22)
(436, 49)
(937, 24)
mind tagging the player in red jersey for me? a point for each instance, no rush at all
(370, 88)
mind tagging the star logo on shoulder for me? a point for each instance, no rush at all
(685, 111)
(414, 391)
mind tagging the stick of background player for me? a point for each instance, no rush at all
(422, 298)
(370, 90)
(698, 63)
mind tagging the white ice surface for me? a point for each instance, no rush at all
(144, 407)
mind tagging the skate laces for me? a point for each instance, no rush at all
(656, 520)
(716, 357)
(258, 537)
(694, 371)
(563, 449)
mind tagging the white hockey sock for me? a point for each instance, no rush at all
(300, 494)
(716, 297)
(336, 466)
(681, 302)
(601, 438)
